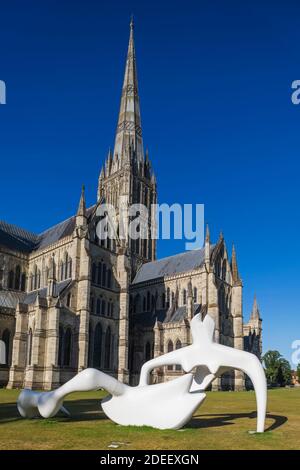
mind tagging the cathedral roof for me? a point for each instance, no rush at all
(146, 319)
(180, 263)
(10, 299)
(19, 239)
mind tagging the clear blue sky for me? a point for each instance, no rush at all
(215, 85)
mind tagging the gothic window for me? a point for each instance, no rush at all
(144, 304)
(163, 300)
(224, 266)
(11, 280)
(99, 277)
(29, 347)
(92, 305)
(104, 275)
(90, 350)
(60, 346)
(67, 347)
(109, 278)
(184, 297)
(107, 349)
(98, 308)
(69, 269)
(145, 248)
(23, 282)
(178, 346)
(195, 294)
(108, 309)
(147, 351)
(93, 273)
(170, 349)
(173, 298)
(69, 299)
(103, 307)
(17, 277)
(97, 346)
(61, 270)
(218, 268)
(168, 297)
(112, 310)
(6, 340)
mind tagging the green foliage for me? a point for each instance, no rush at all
(278, 369)
(298, 372)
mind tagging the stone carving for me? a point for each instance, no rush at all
(168, 405)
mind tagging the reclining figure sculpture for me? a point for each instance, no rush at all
(168, 405)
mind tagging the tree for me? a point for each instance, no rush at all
(298, 372)
(278, 369)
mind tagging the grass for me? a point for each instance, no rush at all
(222, 422)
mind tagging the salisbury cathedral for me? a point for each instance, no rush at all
(69, 300)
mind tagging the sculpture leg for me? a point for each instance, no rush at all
(47, 404)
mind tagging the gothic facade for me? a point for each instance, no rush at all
(69, 300)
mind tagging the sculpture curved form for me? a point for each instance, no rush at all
(2, 352)
(167, 405)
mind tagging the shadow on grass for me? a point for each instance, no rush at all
(90, 410)
(216, 420)
(81, 410)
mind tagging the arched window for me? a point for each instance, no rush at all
(6, 340)
(107, 348)
(163, 300)
(98, 309)
(17, 277)
(224, 269)
(94, 269)
(99, 274)
(184, 297)
(90, 348)
(112, 310)
(60, 346)
(168, 297)
(92, 304)
(148, 301)
(23, 282)
(104, 274)
(103, 308)
(173, 298)
(144, 304)
(67, 347)
(61, 270)
(170, 349)
(178, 346)
(97, 346)
(29, 347)
(109, 278)
(148, 351)
(195, 295)
(11, 280)
(69, 268)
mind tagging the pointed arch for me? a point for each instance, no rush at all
(170, 348)
(6, 339)
(67, 347)
(97, 350)
(107, 352)
(29, 348)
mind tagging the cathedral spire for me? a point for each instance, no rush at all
(129, 131)
(234, 268)
(255, 310)
(82, 207)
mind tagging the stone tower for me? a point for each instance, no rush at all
(126, 177)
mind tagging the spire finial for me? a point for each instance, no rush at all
(82, 206)
(131, 22)
(207, 236)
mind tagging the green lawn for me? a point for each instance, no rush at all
(222, 422)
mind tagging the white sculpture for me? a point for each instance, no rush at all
(167, 405)
(2, 352)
